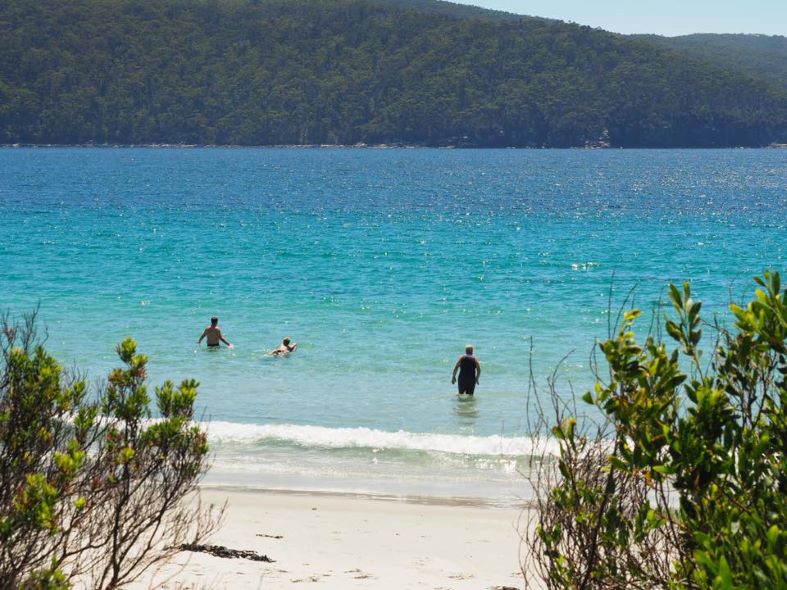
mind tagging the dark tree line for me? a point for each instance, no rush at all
(759, 55)
(262, 72)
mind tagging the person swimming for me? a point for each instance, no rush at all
(214, 335)
(285, 348)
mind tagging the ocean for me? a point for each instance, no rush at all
(382, 264)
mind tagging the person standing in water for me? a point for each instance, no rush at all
(469, 371)
(285, 348)
(213, 334)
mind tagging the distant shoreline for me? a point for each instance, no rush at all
(375, 146)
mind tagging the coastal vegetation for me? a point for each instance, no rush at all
(265, 72)
(92, 491)
(683, 482)
(761, 55)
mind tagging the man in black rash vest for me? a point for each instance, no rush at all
(469, 371)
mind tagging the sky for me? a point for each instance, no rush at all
(663, 17)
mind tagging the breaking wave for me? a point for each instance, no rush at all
(228, 433)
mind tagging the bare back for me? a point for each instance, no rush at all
(213, 335)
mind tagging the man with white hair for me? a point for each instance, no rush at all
(469, 371)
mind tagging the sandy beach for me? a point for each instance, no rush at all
(339, 542)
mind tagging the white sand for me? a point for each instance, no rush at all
(345, 542)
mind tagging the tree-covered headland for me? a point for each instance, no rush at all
(263, 72)
(760, 55)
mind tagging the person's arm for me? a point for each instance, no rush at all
(456, 368)
(204, 333)
(294, 346)
(224, 340)
(477, 371)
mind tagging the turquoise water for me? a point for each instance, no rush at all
(381, 264)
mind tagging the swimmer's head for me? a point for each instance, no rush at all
(214, 321)
(469, 349)
(286, 341)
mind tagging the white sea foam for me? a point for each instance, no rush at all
(344, 438)
(584, 265)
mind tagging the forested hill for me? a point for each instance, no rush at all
(264, 72)
(451, 9)
(760, 55)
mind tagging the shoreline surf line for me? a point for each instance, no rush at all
(322, 437)
(421, 500)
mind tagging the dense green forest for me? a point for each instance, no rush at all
(263, 72)
(760, 55)
(451, 9)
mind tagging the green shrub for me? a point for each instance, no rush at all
(91, 489)
(683, 484)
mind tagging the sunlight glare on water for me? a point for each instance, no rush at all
(381, 264)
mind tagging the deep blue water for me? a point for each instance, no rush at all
(382, 264)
